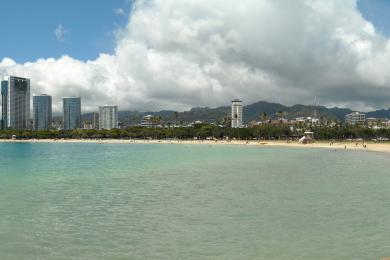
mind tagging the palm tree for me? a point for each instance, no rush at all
(175, 116)
(156, 120)
(226, 121)
(159, 120)
(281, 114)
(264, 117)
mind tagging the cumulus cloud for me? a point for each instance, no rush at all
(60, 33)
(178, 54)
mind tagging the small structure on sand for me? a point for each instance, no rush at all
(308, 137)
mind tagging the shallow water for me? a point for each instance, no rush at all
(134, 201)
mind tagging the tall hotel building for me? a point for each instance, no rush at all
(15, 93)
(108, 117)
(237, 114)
(72, 113)
(42, 113)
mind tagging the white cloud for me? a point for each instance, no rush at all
(60, 33)
(120, 12)
(177, 54)
(7, 62)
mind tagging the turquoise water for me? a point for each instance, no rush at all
(113, 201)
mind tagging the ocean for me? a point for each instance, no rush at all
(161, 201)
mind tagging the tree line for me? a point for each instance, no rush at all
(205, 131)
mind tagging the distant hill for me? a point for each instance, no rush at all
(383, 113)
(251, 112)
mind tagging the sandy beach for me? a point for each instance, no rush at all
(354, 146)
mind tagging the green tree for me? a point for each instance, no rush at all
(264, 117)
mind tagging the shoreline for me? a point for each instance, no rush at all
(351, 146)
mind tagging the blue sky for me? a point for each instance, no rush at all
(28, 28)
(377, 11)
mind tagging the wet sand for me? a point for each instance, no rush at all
(369, 146)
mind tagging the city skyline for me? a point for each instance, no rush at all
(108, 121)
(284, 53)
(105, 118)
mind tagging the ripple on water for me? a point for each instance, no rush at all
(107, 201)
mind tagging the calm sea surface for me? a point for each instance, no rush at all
(114, 201)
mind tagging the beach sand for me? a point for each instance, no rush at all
(355, 146)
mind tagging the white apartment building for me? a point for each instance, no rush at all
(355, 118)
(147, 121)
(108, 117)
(237, 114)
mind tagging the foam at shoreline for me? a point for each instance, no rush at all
(370, 146)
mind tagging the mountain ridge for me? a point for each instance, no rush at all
(251, 112)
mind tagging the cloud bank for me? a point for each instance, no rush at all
(177, 54)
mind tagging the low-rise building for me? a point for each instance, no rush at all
(355, 118)
(307, 120)
(147, 121)
(87, 125)
(377, 123)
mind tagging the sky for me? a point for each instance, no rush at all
(173, 54)
(47, 28)
(377, 11)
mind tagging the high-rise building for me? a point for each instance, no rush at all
(95, 120)
(108, 117)
(72, 113)
(18, 103)
(237, 114)
(42, 113)
(4, 104)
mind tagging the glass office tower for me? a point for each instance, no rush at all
(4, 106)
(18, 103)
(72, 113)
(42, 112)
